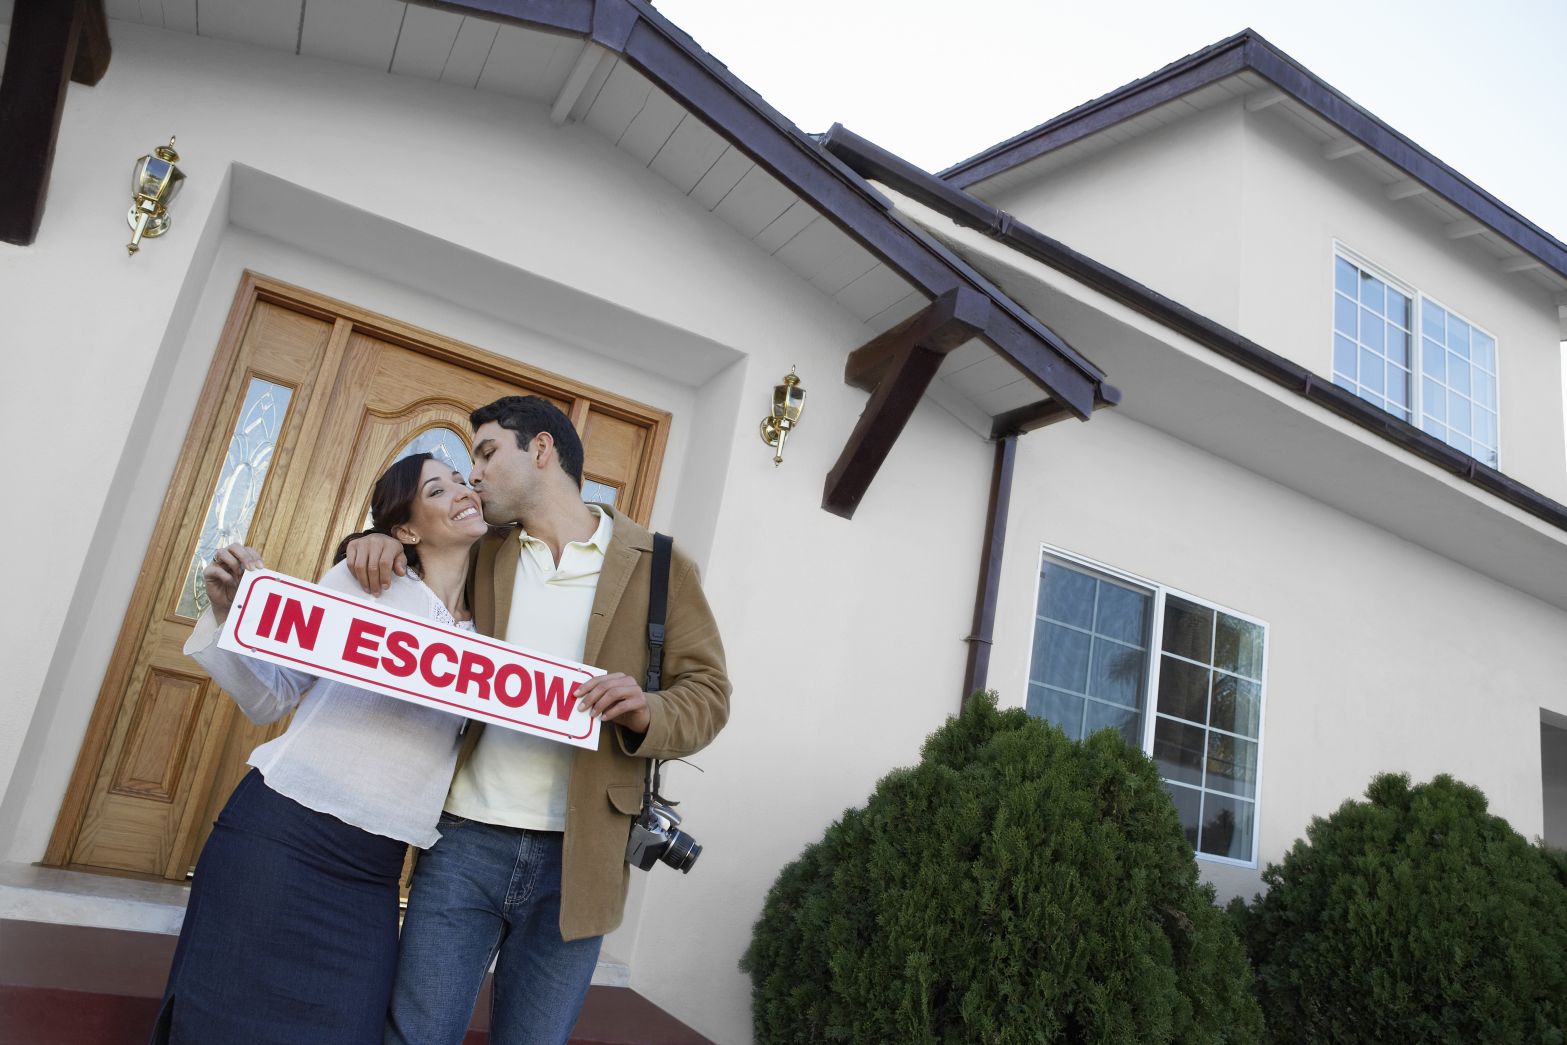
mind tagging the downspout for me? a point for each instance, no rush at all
(983, 631)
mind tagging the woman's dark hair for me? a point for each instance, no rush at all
(392, 504)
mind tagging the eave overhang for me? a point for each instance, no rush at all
(1248, 51)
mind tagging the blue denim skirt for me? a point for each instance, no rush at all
(290, 935)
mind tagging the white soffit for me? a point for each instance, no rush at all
(1178, 386)
(577, 82)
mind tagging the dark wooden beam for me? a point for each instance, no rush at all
(908, 357)
(983, 635)
(937, 326)
(1037, 415)
(39, 57)
(92, 44)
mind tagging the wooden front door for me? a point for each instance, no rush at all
(307, 402)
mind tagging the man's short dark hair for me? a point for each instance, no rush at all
(527, 416)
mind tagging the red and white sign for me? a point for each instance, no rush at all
(326, 633)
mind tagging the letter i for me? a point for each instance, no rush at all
(268, 613)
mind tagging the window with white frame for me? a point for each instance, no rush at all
(1448, 384)
(1179, 678)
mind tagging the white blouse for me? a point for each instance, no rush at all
(380, 764)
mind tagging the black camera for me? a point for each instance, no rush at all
(655, 835)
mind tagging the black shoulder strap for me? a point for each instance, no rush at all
(657, 602)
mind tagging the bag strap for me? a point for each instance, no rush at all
(657, 603)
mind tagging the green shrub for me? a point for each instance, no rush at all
(1014, 886)
(1415, 916)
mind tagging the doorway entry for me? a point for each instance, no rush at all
(306, 402)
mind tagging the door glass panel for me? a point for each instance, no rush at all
(444, 444)
(240, 482)
(597, 492)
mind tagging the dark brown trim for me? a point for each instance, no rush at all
(1248, 50)
(1037, 415)
(908, 358)
(39, 58)
(986, 591)
(942, 326)
(92, 44)
(964, 209)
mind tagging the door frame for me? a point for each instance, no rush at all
(200, 435)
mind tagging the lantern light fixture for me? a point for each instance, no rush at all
(154, 185)
(788, 403)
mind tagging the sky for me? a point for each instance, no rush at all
(1478, 85)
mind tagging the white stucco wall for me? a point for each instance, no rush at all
(1382, 655)
(1235, 215)
(105, 356)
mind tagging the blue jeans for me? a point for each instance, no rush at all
(486, 892)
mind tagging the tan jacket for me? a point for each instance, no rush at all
(605, 789)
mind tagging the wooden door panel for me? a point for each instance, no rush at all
(166, 746)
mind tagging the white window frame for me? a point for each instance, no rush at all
(1417, 298)
(1160, 592)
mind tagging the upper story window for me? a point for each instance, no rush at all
(1449, 384)
(1179, 678)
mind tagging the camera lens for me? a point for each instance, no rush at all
(681, 852)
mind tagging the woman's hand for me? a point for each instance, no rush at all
(221, 577)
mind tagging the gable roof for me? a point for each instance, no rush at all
(1248, 52)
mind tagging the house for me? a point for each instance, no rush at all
(1129, 418)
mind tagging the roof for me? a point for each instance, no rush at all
(1248, 52)
(875, 163)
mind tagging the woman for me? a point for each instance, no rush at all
(290, 935)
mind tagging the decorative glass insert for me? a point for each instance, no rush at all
(444, 444)
(597, 492)
(239, 486)
(1090, 662)
(1458, 382)
(1094, 649)
(1372, 337)
(1207, 724)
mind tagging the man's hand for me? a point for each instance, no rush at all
(221, 577)
(615, 698)
(373, 558)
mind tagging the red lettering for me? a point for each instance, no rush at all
(292, 621)
(476, 669)
(551, 696)
(268, 612)
(427, 664)
(401, 654)
(505, 677)
(362, 640)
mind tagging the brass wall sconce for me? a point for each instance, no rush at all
(153, 187)
(788, 403)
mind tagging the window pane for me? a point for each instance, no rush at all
(1226, 827)
(1232, 764)
(1343, 356)
(1188, 629)
(1344, 315)
(1122, 613)
(1371, 290)
(1397, 345)
(1458, 442)
(1188, 806)
(1398, 390)
(1434, 358)
(240, 482)
(1067, 596)
(1458, 413)
(1371, 370)
(1435, 400)
(1117, 673)
(1433, 321)
(1458, 336)
(1183, 690)
(1398, 308)
(1060, 656)
(597, 492)
(1482, 350)
(1238, 646)
(1099, 716)
(1237, 705)
(1345, 276)
(1484, 428)
(1178, 749)
(1457, 373)
(1484, 391)
(1371, 329)
(1061, 709)
(1435, 427)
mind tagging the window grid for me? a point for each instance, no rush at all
(1415, 359)
(1213, 809)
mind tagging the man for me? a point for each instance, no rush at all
(530, 868)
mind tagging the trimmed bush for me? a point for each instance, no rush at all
(1414, 916)
(1014, 886)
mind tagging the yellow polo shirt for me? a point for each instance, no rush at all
(513, 779)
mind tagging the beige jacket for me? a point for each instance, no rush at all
(605, 789)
